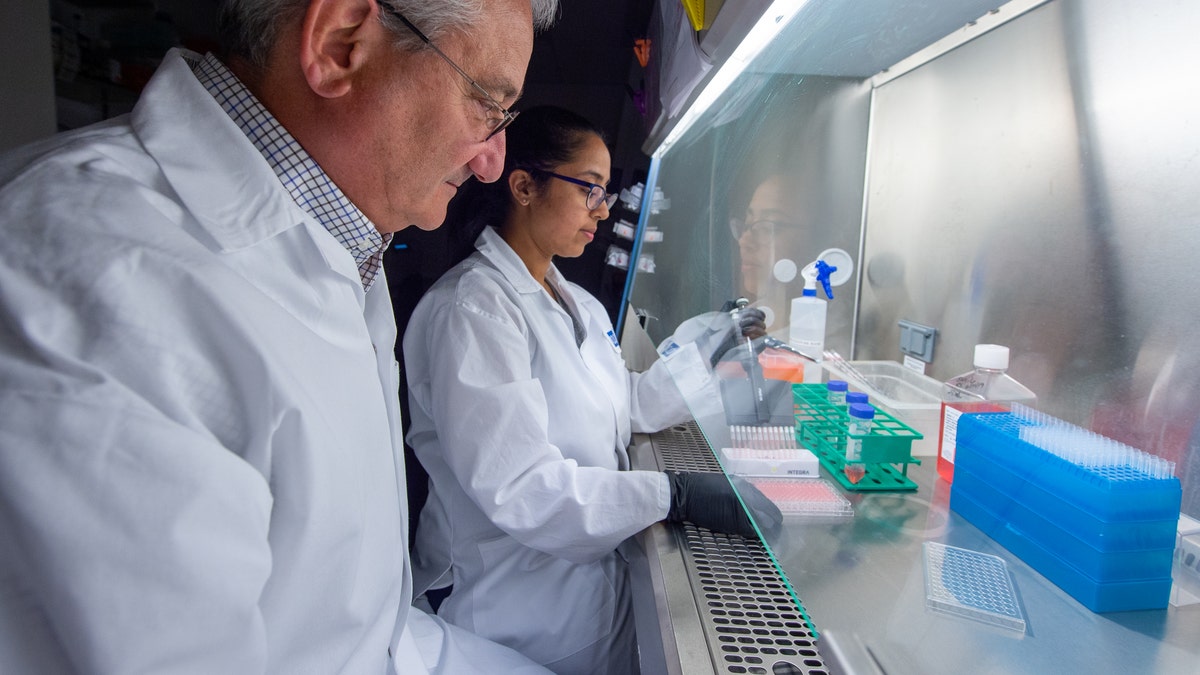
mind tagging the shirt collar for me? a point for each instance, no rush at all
(309, 186)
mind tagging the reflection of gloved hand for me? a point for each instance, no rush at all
(766, 514)
(708, 500)
(751, 323)
(715, 333)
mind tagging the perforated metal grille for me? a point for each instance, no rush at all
(683, 448)
(748, 607)
(752, 623)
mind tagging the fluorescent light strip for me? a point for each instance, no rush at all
(778, 15)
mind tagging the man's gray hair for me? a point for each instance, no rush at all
(249, 28)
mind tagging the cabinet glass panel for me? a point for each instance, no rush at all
(1021, 175)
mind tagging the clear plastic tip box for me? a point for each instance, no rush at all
(1095, 517)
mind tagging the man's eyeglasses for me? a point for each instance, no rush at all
(596, 193)
(495, 124)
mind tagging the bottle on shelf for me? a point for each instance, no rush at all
(807, 325)
(807, 313)
(986, 388)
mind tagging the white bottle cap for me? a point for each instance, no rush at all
(992, 357)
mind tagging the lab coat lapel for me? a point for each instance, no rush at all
(497, 251)
(226, 184)
(230, 202)
(503, 258)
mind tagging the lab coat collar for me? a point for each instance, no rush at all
(225, 183)
(500, 254)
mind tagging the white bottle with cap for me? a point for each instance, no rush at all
(806, 322)
(806, 332)
(987, 388)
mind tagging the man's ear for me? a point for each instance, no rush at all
(333, 43)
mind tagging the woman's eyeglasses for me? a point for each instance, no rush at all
(759, 229)
(596, 193)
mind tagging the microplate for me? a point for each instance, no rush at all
(781, 462)
(971, 584)
(804, 496)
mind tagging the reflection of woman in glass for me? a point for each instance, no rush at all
(773, 228)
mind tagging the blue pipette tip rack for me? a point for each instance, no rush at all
(1094, 516)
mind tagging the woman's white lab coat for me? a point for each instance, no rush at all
(200, 466)
(522, 433)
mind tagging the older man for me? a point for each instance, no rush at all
(199, 436)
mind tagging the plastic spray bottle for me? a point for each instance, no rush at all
(807, 330)
(987, 388)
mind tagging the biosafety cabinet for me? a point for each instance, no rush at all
(1025, 174)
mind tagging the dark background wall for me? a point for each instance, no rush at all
(585, 63)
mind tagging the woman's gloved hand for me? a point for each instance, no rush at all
(708, 500)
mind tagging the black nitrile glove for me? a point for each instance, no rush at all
(766, 514)
(709, 501)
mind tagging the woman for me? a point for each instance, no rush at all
(522, 409)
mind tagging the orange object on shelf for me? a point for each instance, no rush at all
(778, 364)
(641, 49)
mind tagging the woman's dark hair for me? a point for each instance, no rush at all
(540, 139)
(545, 137)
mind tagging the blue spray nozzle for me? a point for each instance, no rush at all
(824, 269)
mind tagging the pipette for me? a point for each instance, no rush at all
(758, 386)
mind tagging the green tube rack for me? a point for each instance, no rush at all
(822, 427)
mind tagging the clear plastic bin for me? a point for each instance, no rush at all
(913, 398)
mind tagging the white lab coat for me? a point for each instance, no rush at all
(200, 466)
(523, 433)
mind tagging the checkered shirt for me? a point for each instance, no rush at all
(307, 183)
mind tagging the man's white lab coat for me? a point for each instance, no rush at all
(200, 452)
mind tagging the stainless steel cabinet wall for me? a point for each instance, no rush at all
(1039, 187)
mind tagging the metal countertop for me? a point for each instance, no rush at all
(861, 581)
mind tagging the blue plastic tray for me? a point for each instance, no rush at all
(1108, 495)
(1101, 565)
(1103, 535)
(1113, 596)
